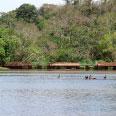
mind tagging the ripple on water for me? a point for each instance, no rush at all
(33, 96)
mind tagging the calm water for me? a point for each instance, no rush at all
(39, 94)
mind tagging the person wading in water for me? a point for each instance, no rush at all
(86, 77)
(59, 76)
(105, 77)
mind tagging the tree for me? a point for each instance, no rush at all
(8, 46)
(27, 12)
(80, 31)
(8, 19)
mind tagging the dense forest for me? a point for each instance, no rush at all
(79, 31)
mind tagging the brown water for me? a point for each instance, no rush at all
(39, 94)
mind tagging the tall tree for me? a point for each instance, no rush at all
(27, 12)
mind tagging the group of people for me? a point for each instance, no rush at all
(92, 78)
(88, 77)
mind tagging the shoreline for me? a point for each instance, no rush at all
(59, 71)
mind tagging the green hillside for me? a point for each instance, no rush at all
(76, 32)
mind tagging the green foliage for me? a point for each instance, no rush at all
(8, 45)
(8, 20)
(27, 12)
(77, 32)
(40, 24)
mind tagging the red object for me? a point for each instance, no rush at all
(106, 64)
(19, 65)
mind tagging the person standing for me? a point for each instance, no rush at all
(105, 77)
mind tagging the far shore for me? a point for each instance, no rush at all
(61, 71)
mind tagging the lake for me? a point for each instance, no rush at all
(45, 94)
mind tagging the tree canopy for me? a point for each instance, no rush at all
(27, 12)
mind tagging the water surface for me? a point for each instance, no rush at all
(43, 94)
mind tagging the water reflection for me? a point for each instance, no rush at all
(46, 95)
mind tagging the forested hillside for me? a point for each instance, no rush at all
(79, 31)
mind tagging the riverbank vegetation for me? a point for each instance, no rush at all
(76, 32)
